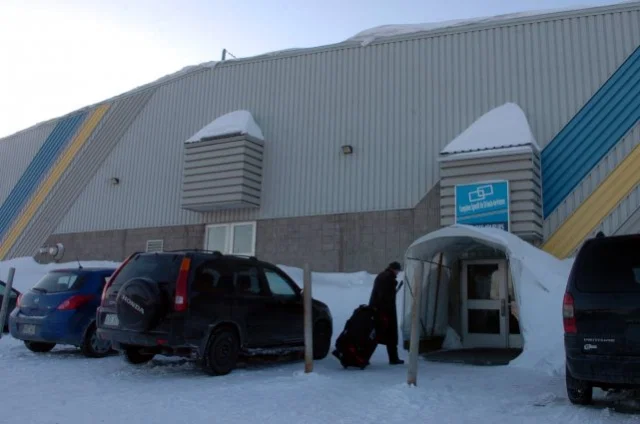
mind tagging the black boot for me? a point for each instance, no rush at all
(392, 351)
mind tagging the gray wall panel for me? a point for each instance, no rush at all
(82, 168)
(16, 153)
(630, 218)
(398, 103)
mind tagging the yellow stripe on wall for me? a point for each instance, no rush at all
(624, 178)
(51, 179)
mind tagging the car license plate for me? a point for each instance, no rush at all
(29, 329)
(111, 320)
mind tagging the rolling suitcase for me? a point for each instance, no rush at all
(357, 342)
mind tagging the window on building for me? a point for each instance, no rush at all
(155, 246)
(236, 238)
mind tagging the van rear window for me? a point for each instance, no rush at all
(610, 266)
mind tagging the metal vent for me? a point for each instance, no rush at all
(155, 245)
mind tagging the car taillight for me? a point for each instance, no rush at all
(568, 314)
(74, 302)
(180, 303)
(113, 277)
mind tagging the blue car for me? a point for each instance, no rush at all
(61, 309)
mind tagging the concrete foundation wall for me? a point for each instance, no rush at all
(341, 242)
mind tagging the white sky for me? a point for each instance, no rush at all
(57, 56)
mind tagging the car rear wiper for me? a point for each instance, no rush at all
(38, 289)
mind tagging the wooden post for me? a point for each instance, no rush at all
(308, 322)
(414, 342)
(4, 309)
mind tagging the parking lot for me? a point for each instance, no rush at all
(64, 386)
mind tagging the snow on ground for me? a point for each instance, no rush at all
(503, 127)
(236, 122)
(64, 387)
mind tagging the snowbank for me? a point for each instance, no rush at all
(28, 271)
(237, 122)
(355, 279)
(385, 31)
(503, 127)
(539, 284)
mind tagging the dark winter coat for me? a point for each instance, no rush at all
(383, 299)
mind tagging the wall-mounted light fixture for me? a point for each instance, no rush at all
(56, 251)
(347, 149)
(115, 180)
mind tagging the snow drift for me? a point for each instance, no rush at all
(232, 123)
(28, 271)
(502, 127)
(539, 283)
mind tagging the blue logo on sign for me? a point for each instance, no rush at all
(483, 204)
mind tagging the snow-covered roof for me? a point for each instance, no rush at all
(363, 38)
(503, 127)
(385, 31)
(239, 122)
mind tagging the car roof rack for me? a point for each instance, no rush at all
(250, 257)
(194, 250)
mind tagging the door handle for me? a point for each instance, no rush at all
(503, 307)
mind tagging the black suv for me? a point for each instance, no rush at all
(601, 312)
(206, 306)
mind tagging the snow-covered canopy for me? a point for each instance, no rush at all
(539, 281)
(503, 127)
(239, 122)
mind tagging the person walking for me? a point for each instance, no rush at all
(383, 299)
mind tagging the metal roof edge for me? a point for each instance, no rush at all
(455, 29)
(348, 45)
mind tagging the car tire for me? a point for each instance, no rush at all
(135, 356)
(580, 392)
(91, 346)
(39, 347)
(221, 354)
(321, 340)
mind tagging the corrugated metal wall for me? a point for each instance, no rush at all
(222, 174)
(624, 219)
(631, 225)
(37, 170)
(592, 133)
(397, 103)
(596, 176)
(84, 165)
(16, 152)
(622, 214)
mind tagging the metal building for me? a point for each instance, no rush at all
(347, 174)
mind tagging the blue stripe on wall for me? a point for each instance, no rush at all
(591, 133)
(40, 164)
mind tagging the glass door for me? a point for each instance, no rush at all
(484, 309)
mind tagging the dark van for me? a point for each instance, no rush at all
(601, 313)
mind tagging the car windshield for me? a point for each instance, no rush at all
(160, 268)
(610, 266)
(56, 282)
